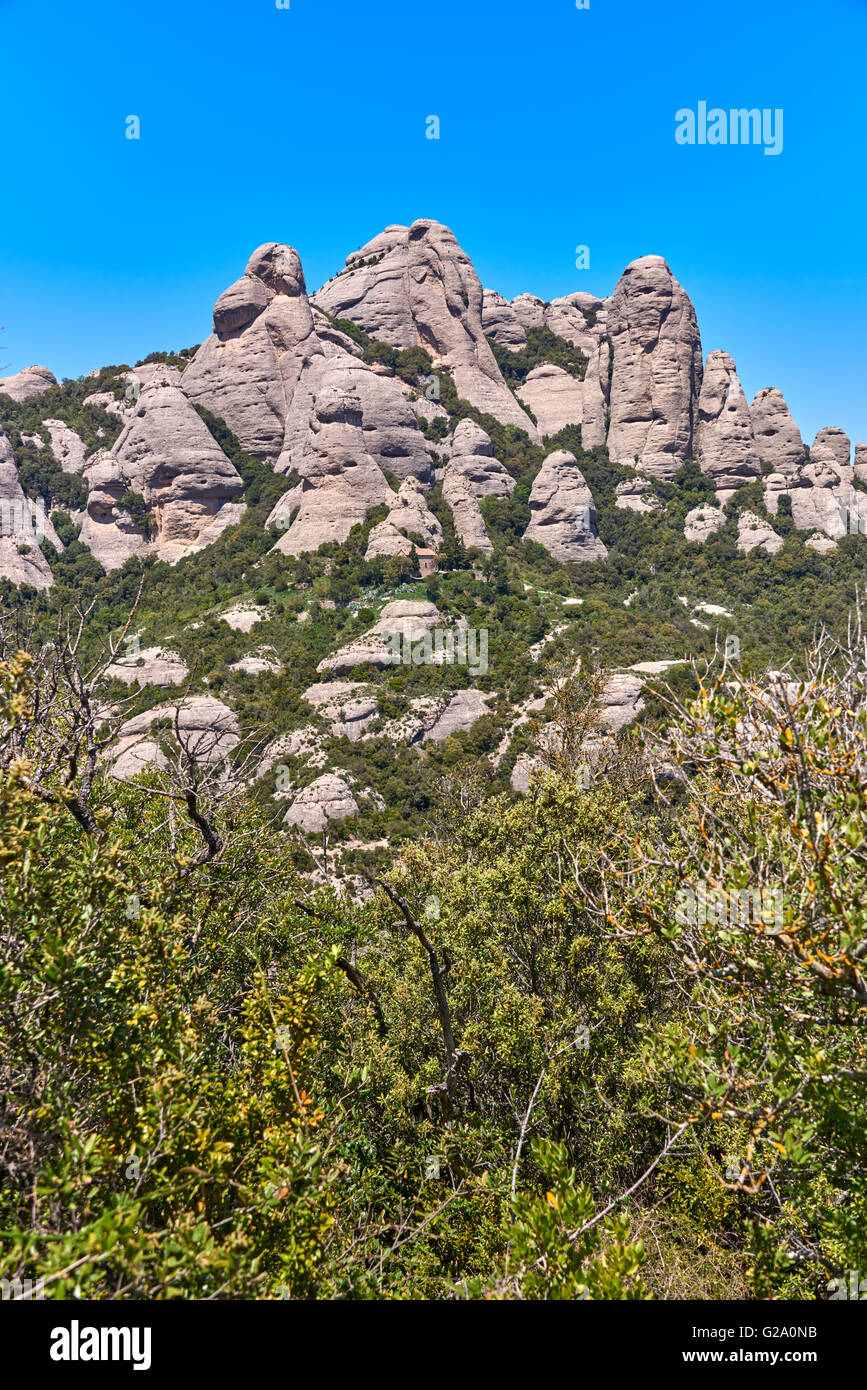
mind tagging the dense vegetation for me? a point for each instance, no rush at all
(639, 604)
(509, 1065)
(517, 1070)
(542, 346)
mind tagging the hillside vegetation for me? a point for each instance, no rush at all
(521, 1069)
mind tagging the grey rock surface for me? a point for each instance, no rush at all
(563, 513)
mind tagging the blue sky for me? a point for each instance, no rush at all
(307, 125)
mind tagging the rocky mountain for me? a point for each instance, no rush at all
(301, 394)
(32, 381)
(165, 456)
(377, 475)
(415, 287)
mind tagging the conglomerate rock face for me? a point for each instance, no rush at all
(579, 318)
(409, 515)
(167, 457)
(23, 524)
(303, 391)
(777, 437)
(416, 287)
(473, 472)
(563, 513)
(702, 522)
(246, 372)
(596, 397)
(402, 622)
(832, 445)
(327, 798)
(391, 435)
(205, 728)
(32, 381)
(657, 370)
(298, 392)
(340, 481)
(472, 455)
(726, 448)
(755, 533)
(555, 397)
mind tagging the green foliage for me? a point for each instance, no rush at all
(541, 346)
(65, 527)
(177, 359)
(97, 427)
(136, 507)
(217, 1082)
(42, 476)
(547, 1260)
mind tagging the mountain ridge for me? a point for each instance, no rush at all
(275, 490)
(283, 376)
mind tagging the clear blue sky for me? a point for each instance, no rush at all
(307, 125)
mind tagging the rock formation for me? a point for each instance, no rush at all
(32, 381)
(832, 445)
(500, 322)
(563, 513)
(415, 287)
(406, 619)
(67, 447)
(726, 449)
(473, 472)
(167, 457)
(823, 544)
(777, 437)
(349, 706)
(466, 513)
(636, 495)
(247, 370)
(243, 617)
(620, 701)
(555, 397)
(23, 524)
(529, 310)
(109, 531)
(208, 732)
(296, 391)
(460, 714)
(821, 493)
(472, 455)
(578, 318)
(256, 666)
(756, 533)
(595, 398)
(657, 370)
(149, 666)
(340, 482)
(391, 436)
(270, 361)
(703, 522)
(328, 798)
(408, 515)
